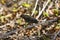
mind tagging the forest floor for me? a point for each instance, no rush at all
(30, 20)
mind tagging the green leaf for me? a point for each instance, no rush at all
(19, 21)
(58, 24)
(56, 12)
(26, 24)
(2, 17)
(36, 12)
(45, 14)
(26, 5)
(14, 9)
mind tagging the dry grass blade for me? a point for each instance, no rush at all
(56, 35)
(51, 4)
(7, 34)
(42, 9)
(11, 23)
(35, 7)
(30, 20)
(56, 4)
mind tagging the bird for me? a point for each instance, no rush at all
(29, 19)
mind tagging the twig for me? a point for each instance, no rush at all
(10, 23)
(51, 4)
(35, 7)
(9, 33)
(49, 11)
(56, 35)
(42, 9)
(44, 23)
(56, 4)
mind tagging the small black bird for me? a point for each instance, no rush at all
(29, 19)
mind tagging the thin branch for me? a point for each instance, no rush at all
(42, 9)
(56, 35)
(44, 23)
(11, 23)
(51, 4)
(56, 4)
(35, 7)
(49, 11)
(7, 34)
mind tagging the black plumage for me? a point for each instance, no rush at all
(29, 19)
